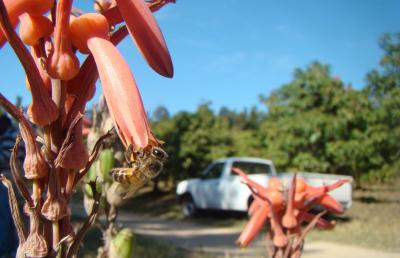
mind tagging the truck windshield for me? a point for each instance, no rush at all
(214, 171)
(252, 167)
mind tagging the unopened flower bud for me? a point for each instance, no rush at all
(88, 189)
(107, 162)
(122, 245)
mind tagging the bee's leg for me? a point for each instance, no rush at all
(132, 192)
(129, 154)
(140, 154)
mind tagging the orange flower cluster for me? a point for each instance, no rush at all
(285, 211)
(54, 40)
(51, 33)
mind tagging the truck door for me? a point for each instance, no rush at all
(235, 195)
(208, 192)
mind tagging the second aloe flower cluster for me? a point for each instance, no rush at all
(285, 210)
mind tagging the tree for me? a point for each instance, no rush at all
(383, 88)
(161, 113)
(312, 125)
(208, 138)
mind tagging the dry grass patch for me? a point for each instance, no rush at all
(373, 221)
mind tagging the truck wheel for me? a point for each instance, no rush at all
(189, 209)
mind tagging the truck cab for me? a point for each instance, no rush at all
(219, 188)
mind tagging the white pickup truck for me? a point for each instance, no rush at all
(219, 188)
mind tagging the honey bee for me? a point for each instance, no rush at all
(145, 165)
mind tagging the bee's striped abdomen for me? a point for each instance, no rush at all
(126, 176)
(121, 175)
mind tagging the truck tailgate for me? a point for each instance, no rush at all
(342, 194)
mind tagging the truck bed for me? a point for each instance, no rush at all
(342, 194)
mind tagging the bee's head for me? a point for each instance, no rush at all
(159, 153)
(132, 155)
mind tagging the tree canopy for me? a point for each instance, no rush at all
(316, 123)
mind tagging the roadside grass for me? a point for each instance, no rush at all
(164, 204)
(373, 221)
(144, 247)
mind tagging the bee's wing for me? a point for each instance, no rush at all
(153, 169)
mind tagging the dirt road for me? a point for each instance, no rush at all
(219, 242)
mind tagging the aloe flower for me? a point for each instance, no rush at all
(57, 159)
(147, 35)
(17, 7)
(285, 215)
(62, 62)
(145, 31)
(89, 32)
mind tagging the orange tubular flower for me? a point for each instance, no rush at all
(270, 198)
(329, 203)
(42, 110)
(272, 192)
(313, 191)
(17, 7)
(321, 193)
(147, 35)
(83, 86)
(31, 30)
(62, 63)
(255, 205)
(35, 52)
(279, 239)
(34, 27)
(254, 226)
(274, 185)
(90, 32)
(114, 16)
(289, 219)
(321, 223)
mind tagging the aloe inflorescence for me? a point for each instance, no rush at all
(50, 35)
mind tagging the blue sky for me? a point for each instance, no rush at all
(231, 51)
